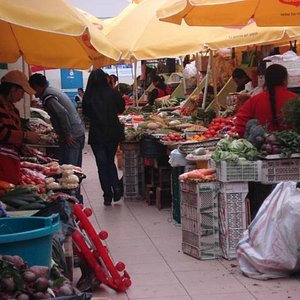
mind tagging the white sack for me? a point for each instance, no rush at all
(270, 247)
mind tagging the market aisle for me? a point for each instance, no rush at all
(149, 243)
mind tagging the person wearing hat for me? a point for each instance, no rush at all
(12, 136)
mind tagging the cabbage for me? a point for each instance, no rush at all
(233, 150)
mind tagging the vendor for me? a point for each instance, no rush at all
(266, 106)
(12, 136)
(160, 89)
(241, 78)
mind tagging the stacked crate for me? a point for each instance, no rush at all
(277, 170)
(133, 171)
(199, 219)
(232, 216)
(233, 211)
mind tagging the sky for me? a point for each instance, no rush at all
(102, 9)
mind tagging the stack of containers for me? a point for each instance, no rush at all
(233, 213)
(199, 219)
(133, 171)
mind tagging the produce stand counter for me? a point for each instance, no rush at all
(47, 149)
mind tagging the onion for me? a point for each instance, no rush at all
(23, 297)
(29, 276)
(271, 139)
(41, 284)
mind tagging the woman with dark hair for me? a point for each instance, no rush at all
(160, 89)
(12, 136)
(102, 104)
(266, 106)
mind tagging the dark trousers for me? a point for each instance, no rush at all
(108, 175)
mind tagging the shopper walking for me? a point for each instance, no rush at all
(64, 118)
(12, 136)
(102, 104)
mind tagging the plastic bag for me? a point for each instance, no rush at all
(270, 246)
(177, 159)
(190, 70)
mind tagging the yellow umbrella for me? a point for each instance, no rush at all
(51, 34)
(138, 33)
(152, 38)
(231, 12)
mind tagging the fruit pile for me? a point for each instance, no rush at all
(173, 137)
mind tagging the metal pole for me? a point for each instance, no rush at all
(207, 81)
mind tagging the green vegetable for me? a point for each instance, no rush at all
(291, 113)
(229, 149)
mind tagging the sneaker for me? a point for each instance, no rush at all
(107, 203)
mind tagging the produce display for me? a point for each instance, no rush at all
(20, 282)
(230, 149)
(22, 198)
(199, 175)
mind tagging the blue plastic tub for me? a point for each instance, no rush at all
(29, 237)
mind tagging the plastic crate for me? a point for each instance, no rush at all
(135, 146)
(232, 216)
(27, 237)
(276, 170)
(239, 171)
(199, 219)
(150, 148)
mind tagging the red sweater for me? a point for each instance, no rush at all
(259, 107)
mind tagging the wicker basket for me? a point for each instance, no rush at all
(209, 144)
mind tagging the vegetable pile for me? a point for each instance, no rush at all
(20, 282)
(199, 175)
(229, 149)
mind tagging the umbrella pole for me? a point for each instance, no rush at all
(135, 93)
(183, 78)
(206, 81)
(117, 72)
(216, 97)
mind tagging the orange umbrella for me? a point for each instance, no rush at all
(231, 12)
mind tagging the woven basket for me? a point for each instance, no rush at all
(209, 144)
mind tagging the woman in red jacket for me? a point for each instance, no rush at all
(266, 106)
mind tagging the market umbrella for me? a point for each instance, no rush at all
(231, 12)
(138, 33)
(51, 34)
(152, 38)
